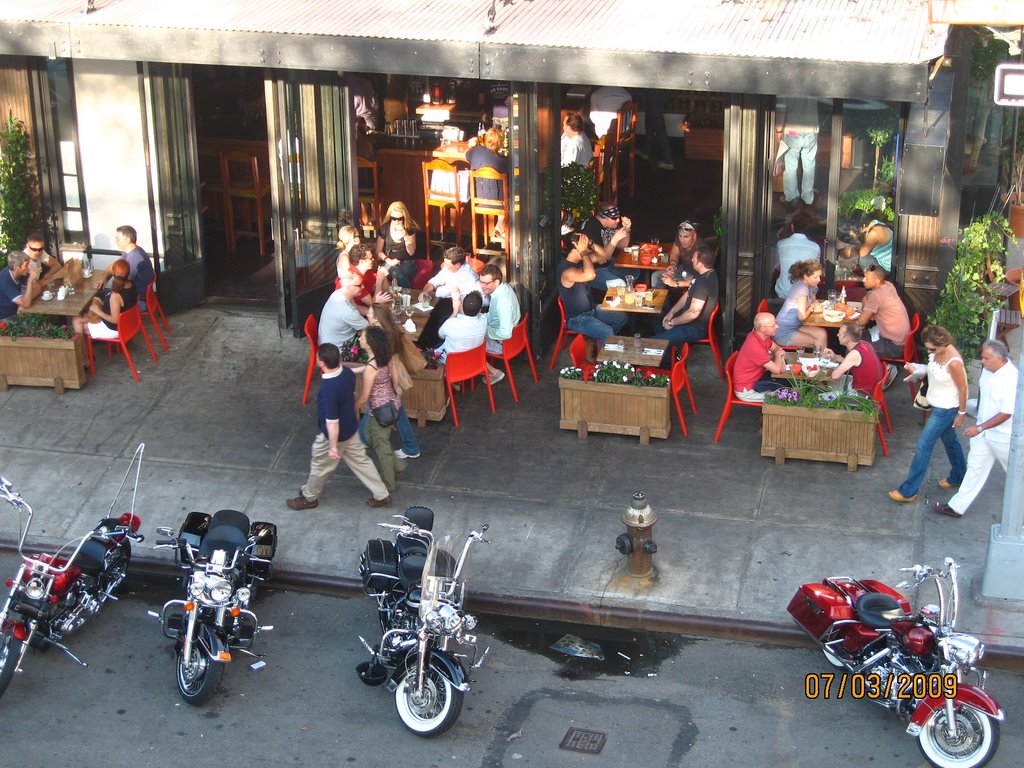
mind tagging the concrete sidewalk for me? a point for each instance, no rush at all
(224, 428)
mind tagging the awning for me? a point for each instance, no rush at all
(829, 48)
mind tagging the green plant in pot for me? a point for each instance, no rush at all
(967, 301)
(579, 191)
(856, 206)
(17, 212)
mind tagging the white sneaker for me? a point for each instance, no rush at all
(497, 376)
(400, 454)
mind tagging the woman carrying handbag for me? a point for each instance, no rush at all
(378, 391)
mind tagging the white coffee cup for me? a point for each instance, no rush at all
(62, 293)
(47, 295)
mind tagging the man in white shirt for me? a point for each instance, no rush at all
(456, 277)
(990, 436)
(575, 144)
(465, 329)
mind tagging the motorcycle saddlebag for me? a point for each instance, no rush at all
(816, 607)
(194, 528)
(265, 547)
(378, 566)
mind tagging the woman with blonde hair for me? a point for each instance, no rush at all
(396, 243)
(486, 155)
(106, 308)
(799, 304)
(347, 237)
(947, 396)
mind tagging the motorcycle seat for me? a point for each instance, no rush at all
(878, 610)
(229, 530)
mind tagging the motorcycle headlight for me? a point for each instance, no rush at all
(221, 591)
(243, 595)
(195, 588)
(965, 650)
(35, 590)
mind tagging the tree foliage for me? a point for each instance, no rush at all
(16, 204)
(967, 300)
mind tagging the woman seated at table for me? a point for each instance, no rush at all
(799, 305)
(108, 304)
(347, 237)
(861, 361)
(396, 243)
(486, 155)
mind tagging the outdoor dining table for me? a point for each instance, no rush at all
(824, 372)
(71, 305)
(614, 301)
(624, 259)
(818, 319)
(633, 350)
(415, 312)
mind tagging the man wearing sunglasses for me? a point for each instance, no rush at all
(35, 249)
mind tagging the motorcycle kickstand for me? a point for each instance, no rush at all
(66, 650)
(247, 652)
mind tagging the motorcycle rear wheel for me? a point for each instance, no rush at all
(198, 677)
(976, 740)
(9, 653)
(435, 711)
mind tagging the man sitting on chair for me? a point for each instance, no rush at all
(503, 314)
(687, 320)
(758, 359)
(575, 277)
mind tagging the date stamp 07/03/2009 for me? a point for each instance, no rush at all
(827, 685)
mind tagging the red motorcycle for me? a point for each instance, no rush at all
(51, 596)
(911, 663)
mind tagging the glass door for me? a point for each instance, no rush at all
(174, 185)
(312, 182)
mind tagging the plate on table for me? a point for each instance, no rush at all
(833, 315)
(423, 307)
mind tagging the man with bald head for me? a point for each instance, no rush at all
(759, 358)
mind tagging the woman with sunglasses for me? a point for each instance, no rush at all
(396, 243)
(947, 396)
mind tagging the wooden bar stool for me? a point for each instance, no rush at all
(486, 206)
(368, 172)
(441, 191)
(248, 185)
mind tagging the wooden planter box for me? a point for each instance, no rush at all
(819, 435)
(428, 398)
(33, 362)
(621, 409)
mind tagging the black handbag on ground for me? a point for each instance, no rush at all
(385, 414)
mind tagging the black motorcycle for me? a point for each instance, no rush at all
(224, 557)
(419, 595)
(53, 595)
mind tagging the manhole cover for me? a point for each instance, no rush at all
(579, 740)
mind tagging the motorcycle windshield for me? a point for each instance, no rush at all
(438, 571)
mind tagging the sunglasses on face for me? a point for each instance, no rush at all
(398, 218)
(687, 229)
(37, 250)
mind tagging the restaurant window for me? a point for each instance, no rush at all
(800, 188)
(72, 221)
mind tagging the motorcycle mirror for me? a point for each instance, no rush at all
(484, 529)
(165, 531)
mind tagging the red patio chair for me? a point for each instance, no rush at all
(153, 308)
(129, 323)
(466, 366)
(312, 333)
(680, 379)
(563, 334)
(909, 351)
(518, 342)
(712, 340)
(578, 355)
(730, 396)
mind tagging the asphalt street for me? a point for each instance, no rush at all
(663, 700)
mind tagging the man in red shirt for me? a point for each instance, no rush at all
(758, 359)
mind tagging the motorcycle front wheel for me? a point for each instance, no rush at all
(972, 745)
(198, 676)
(117, 570)
(431, 712)
(9, 652)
